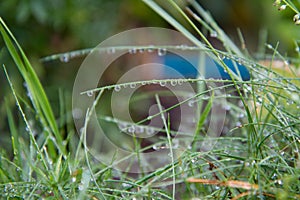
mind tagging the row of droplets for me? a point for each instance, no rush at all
(132, 85)
(137, 129)
(161, 51)
(281, 7)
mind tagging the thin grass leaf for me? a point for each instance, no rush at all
(14, 135)
(39, 98)
(167, 129)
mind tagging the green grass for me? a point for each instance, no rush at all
(262, 150)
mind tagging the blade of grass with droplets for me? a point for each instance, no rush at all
(33, 142)
(167, 128)
(174, 23)
(202, 119)
(221, 34)
(39, 98)
(14, 135)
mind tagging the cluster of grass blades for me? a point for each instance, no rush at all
(257, 158)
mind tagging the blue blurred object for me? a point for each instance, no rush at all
(178, 67)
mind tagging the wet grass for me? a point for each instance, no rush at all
(257, 156)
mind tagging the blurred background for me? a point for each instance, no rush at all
(48, 27)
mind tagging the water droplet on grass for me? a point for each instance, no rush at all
(290, 102)
(122, 125)
(269, 46)
(131, 129)
(162, 51)
(80, 187)
(132, 85)
(89, 93)
(132, 51)
(163, 83)
(191, 103)
(183, 47)
(139, 129)
(173, 82)
(117, 88)
(227, 107)
(150, 49)
(214, 34)
(282, 7)
(64, 58)
(111, 50)
(238, 124)
(241, 115)
(150, 131)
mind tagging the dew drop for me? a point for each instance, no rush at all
(173, 82)
(150, 131)
(286, 62)
(132, 51)
(280, 182)
(183, 47)
(214, 34)
(238, 124)
(269, 46)
(73, 179)
(139, 129)
(274, 176)
(122, 126)
(282, 7)
(163, 83)
(117, 88)
(205, 97)
(150, 49)
(227, 107)
(191, 103)
(259, 100)
(131, 129)
(296, 18)
(290, 102)
(141, 50)
(241, 115)
(126, 185)
(132, 85)
(89, 93)
(80, 187)
(162, 51)
(64, 58)
(111, 50)
(180, 82)
(156, 146)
